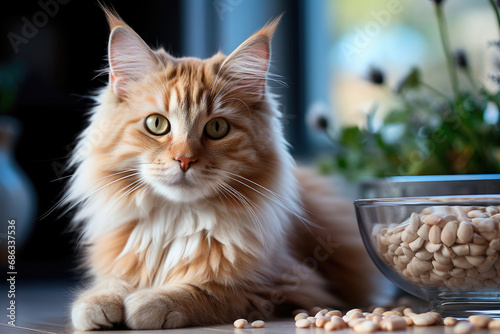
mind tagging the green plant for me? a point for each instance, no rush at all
(435, 133)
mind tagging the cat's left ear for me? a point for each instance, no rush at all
(247, 66)
(130, 59)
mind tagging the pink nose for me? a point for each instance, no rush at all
(185, 161)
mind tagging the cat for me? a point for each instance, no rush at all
(191, 209)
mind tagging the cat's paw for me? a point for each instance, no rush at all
(152, 309)
(97, 311)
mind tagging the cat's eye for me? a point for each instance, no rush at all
(157, 124)
(217, 128)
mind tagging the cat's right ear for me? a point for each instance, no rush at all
(129, 56)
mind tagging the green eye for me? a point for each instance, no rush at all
(217, 128)
(157, 124)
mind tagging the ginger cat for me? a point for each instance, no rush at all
(191, 208)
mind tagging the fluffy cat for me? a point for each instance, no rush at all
(192, 211)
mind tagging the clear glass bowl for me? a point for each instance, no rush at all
(442, 249)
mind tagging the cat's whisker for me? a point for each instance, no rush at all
(99, 189)
(289, 210)
(139, 181)
(284, 201)
(258, 221)
(249, 204)
(234, 200)
(68, 195)
(61, 178)
(223, 192)
(215, 194)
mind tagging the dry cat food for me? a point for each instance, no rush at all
(451, 246)
(241, 323)
(397, 319)
(379, 319)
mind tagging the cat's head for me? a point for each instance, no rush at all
(183, 128)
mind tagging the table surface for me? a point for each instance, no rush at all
(43, 307)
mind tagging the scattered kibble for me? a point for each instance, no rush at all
(240, 323)
(396, 319)
(494, 324)
(321, 322)
(463, 327)
(258, 324)
(366, 326)
(334, 312)
(425, 319)
(455, 247)
(303, 323)
(301, 316)
(379, 310)
(335, 323)
(394, 323)
(480, 321)
(312, 320)
(449, 321)
(409, 321)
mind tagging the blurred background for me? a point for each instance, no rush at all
(51, 50)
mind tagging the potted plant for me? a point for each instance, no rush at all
(427, 133)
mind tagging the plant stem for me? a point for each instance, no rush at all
(495, 9)
(446, 47)
(434, 90)
(471, 80)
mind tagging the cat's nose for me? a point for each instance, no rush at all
(185, 161)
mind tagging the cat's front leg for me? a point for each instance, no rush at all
(101, 306)
(182, 305)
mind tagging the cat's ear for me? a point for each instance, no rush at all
(247, 66)
(129, 56)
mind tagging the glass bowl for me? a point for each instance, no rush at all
(442, 249)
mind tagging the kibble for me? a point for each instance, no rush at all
(300, 316)
(353, 314)
(480, 321)
(367, 322)
(463, 327)
(303, 323)
(449, 321)
(424, 319)
(321, 322)
(240, 323)
(258, 324)
(453, 247)
(335, 324)
(366, 326)
(408, 320)
(494, 324)
(297, 311)
(334, 312)
(354, 322)
(338, 322)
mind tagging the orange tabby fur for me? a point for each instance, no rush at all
(238, 242)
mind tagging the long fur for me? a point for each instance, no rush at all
(241, 233)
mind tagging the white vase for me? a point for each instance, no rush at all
(17, 195)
